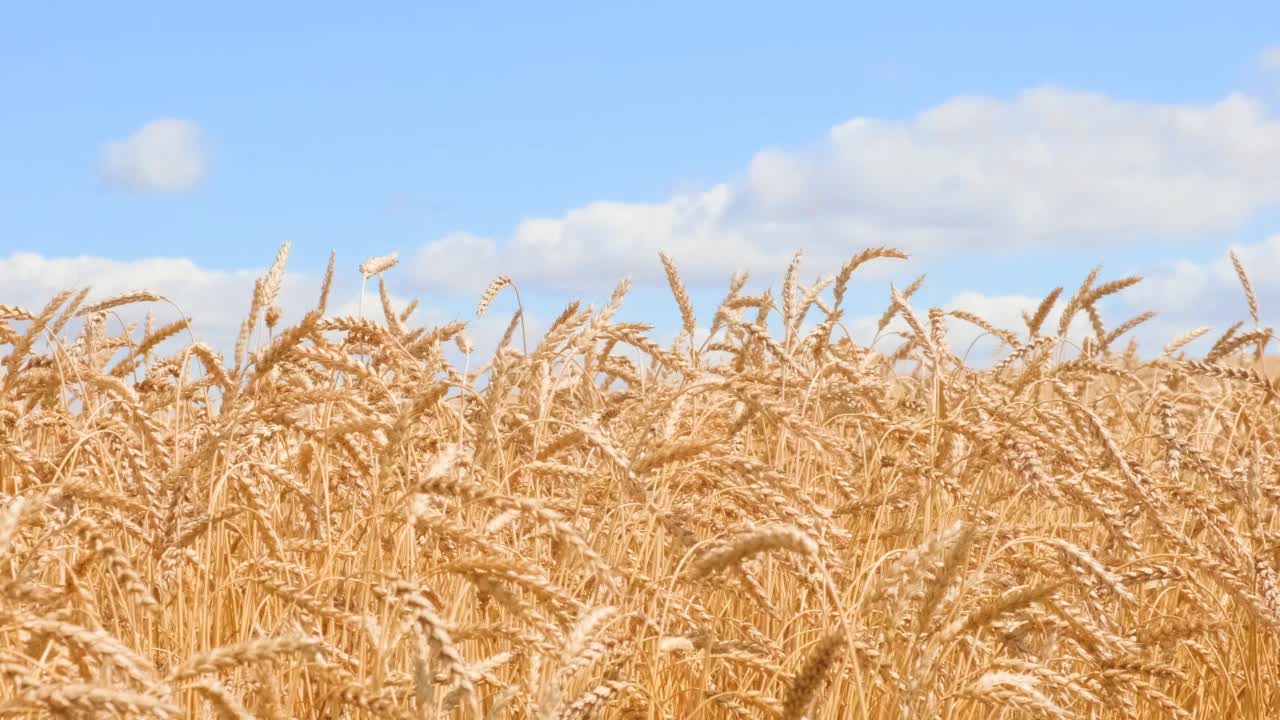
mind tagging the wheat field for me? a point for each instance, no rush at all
(775, 522)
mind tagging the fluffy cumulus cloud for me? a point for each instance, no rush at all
(593, 246)
(217, 301)
(975, 345)
(166, 155)
(458, 263)
(1050, 167)
(1189, 294)
(1183, 294)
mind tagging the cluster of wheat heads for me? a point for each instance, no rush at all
(773, 522)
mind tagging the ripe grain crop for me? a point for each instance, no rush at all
(345, 524)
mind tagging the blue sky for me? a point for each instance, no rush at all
(397, 125)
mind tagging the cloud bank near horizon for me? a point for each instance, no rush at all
(1052, 169)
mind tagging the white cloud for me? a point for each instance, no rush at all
(166, 155)
(1051, 168)
(594, 246)
(1186, 295)
(216, 301)
(1183, 294)
(458, 263)
(1189, 294)
(969, 341)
